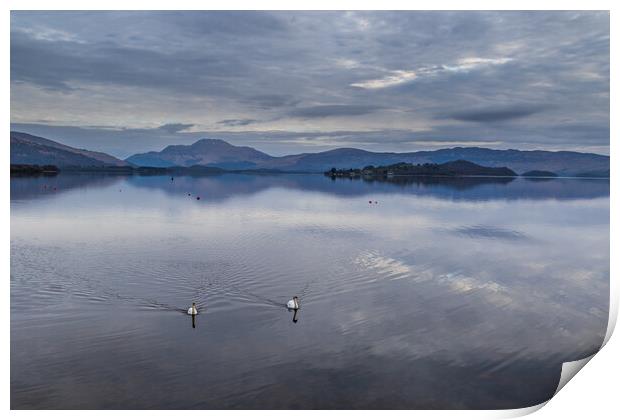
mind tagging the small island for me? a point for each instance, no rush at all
(450, 169)
(540, 174)
(33, 169)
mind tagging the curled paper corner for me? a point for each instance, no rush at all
(519, 412)
(570, 369)
(613, 317)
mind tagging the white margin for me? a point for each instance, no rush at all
(569, 369)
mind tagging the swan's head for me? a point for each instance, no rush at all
(193, 304)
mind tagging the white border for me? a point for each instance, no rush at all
(593, 395)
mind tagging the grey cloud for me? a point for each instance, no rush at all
(225, 22)
(323, 111)
(237, 123)
(272, 100)
(106, 63)
(175, 127)
(496, 114)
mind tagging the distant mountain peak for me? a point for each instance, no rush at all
(205, 152)
(212, 141)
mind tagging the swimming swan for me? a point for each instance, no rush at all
(293, 303)
(192, 310)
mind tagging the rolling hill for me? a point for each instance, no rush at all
(32, 150)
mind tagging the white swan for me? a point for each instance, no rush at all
(293, 303)
(192, 310)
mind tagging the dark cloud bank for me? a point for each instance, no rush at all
(286, 82)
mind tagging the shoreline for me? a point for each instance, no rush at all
(134, 172)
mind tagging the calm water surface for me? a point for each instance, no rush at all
(444, 294)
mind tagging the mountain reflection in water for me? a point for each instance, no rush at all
(221, 186)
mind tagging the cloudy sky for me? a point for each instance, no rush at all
(128, 82)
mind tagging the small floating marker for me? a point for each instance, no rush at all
(189, 193)
(197, 198)
(369, 202)
(376, 202)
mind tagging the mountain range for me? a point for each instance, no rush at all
(28, 149)
(221, 154)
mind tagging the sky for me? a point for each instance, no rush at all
(295, 82)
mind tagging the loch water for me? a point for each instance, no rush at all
(415, 293)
